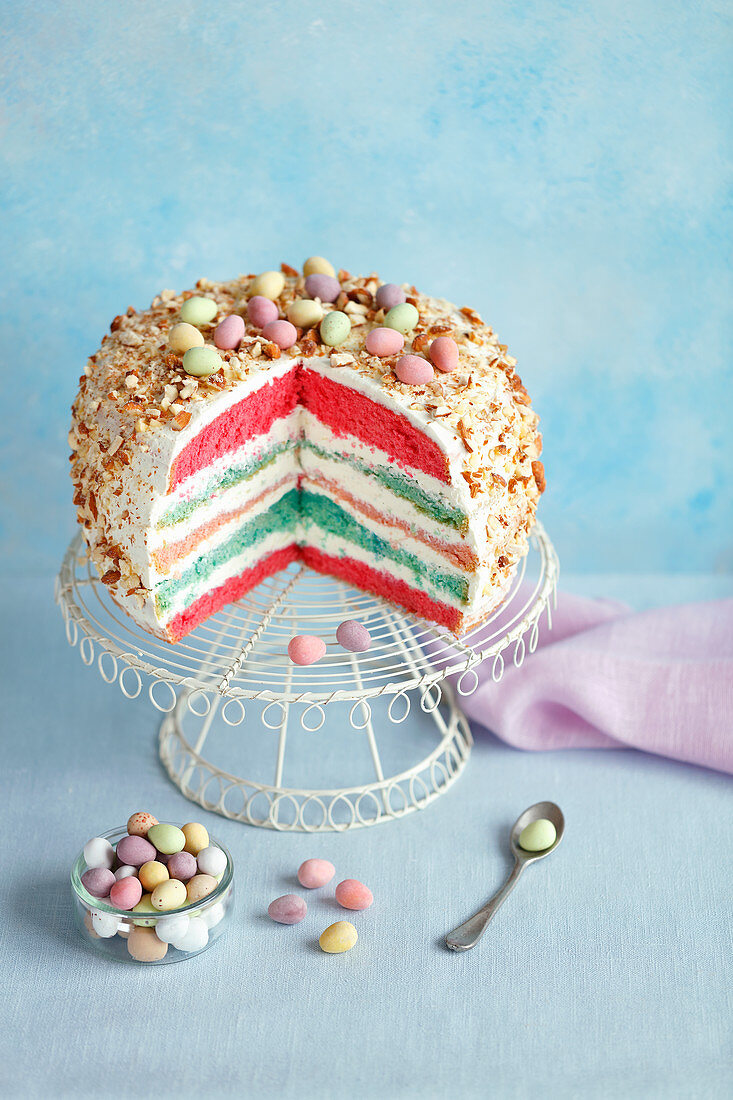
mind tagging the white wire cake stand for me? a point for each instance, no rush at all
(231, 677)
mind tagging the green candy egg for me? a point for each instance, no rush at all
(199, 311)
(335, 328)
(144, 906)
(537, 836)
(201, 362)
(168, 839)
(402, 318)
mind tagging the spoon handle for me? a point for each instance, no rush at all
(470, 932)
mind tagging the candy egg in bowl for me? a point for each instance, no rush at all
(130, 908)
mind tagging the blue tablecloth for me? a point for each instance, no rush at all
(605, 974)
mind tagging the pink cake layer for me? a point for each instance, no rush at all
(344, 410)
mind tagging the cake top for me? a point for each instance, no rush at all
(157, 364)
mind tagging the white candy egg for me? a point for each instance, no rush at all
(196, 937)
(211, 861)
(170, 929)
(104, 924)
(125, 871)
(212, 916)
(98, 852)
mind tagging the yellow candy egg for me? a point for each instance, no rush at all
(317, 265)
(196, 837)
(168, 895)
(151, 874)
(305, 313)
(338, 937)
(180, 338)
(270, 284)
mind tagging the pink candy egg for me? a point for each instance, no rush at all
(281, 333)
(444, 353)
(414, 370)
(353, 894)
(306, 649)
(135, 850)
(182, 866)
(229, 332)
(389, 295)
(384, 341)
(98, 881)
(315, 872)
(353, 636)
(289, 909)
(324, 287)
(260, 311)
(126, 893)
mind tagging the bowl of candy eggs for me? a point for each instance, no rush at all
(153, 892)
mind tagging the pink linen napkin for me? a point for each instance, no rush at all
(604, 677)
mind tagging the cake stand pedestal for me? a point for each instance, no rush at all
(230, 686)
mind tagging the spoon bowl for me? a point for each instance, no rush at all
(550, 812)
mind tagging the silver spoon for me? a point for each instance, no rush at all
(468, 934)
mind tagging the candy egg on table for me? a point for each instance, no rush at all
(168, 839)
(338, 937)
(196, 836)
(211, 861)
(289, 909)
(168, 895)
(315, 872)
(353, 894)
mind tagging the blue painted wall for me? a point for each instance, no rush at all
(559, 166)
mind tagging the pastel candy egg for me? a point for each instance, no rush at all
(168, 895)
(390, 295)
(152, 874)
(353, 894)
(98, 881)
(414, 370)
(135, 850)
(182, 866)
(402, 318)
(180, 338)
(126, 893)
(260, 311)
(444, 353)
(211, 861)
(140, 822)
(98, 852)
(199, 887)
(315, 872)
(338, 937)
(89, 925)
(353, 636)
(196, 837)
(281, 333)
(325, 287)
(214, 914)
(201, 362)
(537, 836)
(172, 928)
(144, 945)
(306, 649)
(270, 284)
(144, 906)
(289, 909)
(229, 332)
(104, 924)
(199, 311)
(317, 265)
(167, 839)
(335, 328)
(125, 871)
(305, 313)
(384, 341)
(194, 938)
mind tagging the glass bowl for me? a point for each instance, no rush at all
(131, 937)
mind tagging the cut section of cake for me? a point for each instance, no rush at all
(192, 485)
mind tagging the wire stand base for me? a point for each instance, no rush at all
(221, 684)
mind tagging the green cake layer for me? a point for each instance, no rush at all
(296, 512)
